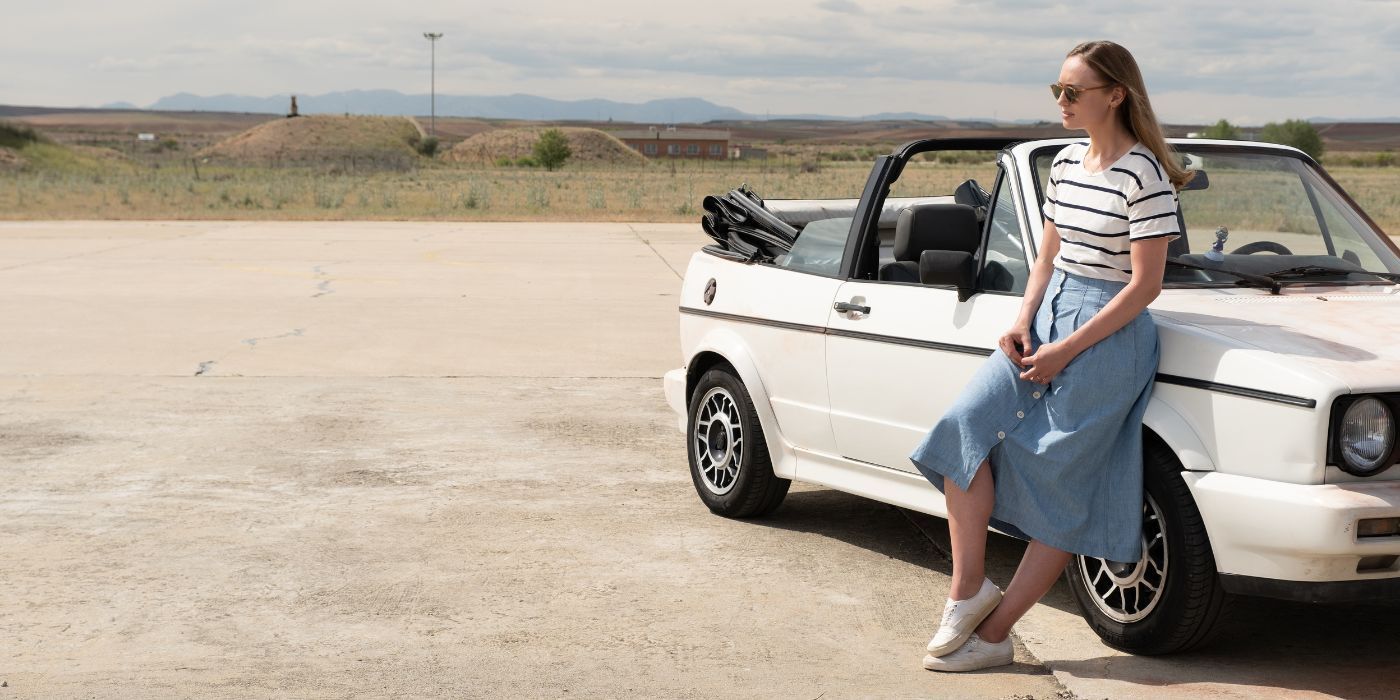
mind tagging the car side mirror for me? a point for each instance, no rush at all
(1200, 181)
(949, 268)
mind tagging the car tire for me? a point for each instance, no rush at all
(729, 461)
(1119, 601)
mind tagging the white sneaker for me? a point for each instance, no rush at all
(974, 654)
(960, 617)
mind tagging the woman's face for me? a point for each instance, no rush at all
(1092, 109)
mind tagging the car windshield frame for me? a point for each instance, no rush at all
(1299, 163)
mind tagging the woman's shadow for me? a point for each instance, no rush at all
(1262, 645)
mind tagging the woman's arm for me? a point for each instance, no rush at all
(1149, 259)
(1039, 278)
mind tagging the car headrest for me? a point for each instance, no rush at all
(936, 227)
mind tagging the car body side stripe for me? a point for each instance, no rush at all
(985, 352)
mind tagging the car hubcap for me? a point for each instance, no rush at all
(1128, 591)
(718, 441)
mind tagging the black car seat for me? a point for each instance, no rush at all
(1179, 246)
(930, 227)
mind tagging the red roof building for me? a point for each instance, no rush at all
(670, 142)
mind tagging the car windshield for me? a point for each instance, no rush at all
(1252, 212)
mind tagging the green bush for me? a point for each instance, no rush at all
(1384, 159)
(1221, 130)
(526, 162)
(427, 146)
(961, 157)
(1297, 133)
(14, 135)
(552, 149)
(504, 162)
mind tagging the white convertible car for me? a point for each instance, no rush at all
(1270, 440)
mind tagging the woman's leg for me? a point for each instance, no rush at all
(1040, 566)
(968, 514)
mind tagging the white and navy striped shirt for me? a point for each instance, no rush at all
(1098, 214)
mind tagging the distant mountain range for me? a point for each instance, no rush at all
(686, 110)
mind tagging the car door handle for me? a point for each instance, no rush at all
(848, 306)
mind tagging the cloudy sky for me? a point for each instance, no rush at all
(1247, 61)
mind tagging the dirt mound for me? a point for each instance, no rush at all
(323, 140)
(589, 146)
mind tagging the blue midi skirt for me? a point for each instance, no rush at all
(1066, 457)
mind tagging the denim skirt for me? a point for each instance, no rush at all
(1066, 457)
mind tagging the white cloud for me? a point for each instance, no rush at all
(984, 56)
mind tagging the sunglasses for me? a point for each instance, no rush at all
(1071, 92)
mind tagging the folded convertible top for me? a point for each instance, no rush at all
(742, 228)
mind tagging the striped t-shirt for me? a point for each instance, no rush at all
(1098, 214)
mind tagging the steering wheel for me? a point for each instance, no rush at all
(1261, 246)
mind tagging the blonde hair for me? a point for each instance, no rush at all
(1116, 65)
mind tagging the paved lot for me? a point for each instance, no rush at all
(434, 460)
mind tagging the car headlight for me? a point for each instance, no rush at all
(1366, 436)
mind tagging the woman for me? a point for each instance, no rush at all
(1045, 442)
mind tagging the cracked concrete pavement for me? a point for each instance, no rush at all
(430, 459)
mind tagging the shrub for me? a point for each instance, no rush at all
(427, 146)
(552, 149)
(1221, 130)
(1383, 159)
(1297, 133)
(14, 135)
(961, 157)
(504, 162)
(537, 196)
(526, 162)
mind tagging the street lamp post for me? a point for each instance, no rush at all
(432, 38)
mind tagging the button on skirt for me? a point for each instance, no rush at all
(1066, 457)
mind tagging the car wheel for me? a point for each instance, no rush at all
(1170, 600)
(728, 456)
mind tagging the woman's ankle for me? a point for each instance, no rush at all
(990, 634)
(962, 589)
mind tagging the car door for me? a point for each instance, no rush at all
(894, 370)
(782, 307)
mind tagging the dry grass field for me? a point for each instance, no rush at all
(646, 193)
(88, 166)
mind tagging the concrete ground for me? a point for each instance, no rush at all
(367, 459)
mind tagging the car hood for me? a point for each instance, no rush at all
(1299, 337)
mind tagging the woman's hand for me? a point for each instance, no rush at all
(1014, 342)
(1047, 362)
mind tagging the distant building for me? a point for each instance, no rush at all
(671, 142)
(743, 151)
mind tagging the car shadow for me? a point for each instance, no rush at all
(903, 534)
(1343, 650)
